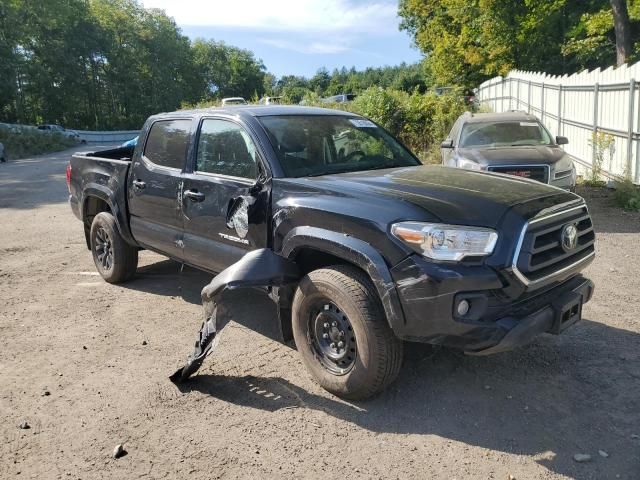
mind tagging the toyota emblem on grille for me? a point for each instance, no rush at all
(569, 237)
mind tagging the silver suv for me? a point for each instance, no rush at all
(513, 143)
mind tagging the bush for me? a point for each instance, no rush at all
(26, 142)
(603, 144)
(627, 195)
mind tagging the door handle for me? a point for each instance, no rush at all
(139, 184)
(194, 195)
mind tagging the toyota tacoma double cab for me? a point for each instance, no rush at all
(389, 250)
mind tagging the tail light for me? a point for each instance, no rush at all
(69, 177)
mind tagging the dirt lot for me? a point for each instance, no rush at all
(103, 353)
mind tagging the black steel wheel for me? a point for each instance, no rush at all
(332, 337)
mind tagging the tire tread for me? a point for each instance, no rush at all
(357, 285)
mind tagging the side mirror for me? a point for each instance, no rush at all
(562, 140)
(259, 183)
(448, 143)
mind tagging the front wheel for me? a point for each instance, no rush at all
(342, 333)
(115, 259)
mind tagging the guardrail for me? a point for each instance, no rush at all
(89, 136)
(576, 107)
(107, 137)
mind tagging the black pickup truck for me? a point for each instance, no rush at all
(390, 250)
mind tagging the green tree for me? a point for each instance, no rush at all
(228, 71)
(468, 41)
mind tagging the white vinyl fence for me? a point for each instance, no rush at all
(577, 106)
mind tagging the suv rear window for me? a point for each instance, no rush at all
(167, 143)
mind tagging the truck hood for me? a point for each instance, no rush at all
(519, 155)
(452, 195)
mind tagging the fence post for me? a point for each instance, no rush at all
(510, 92)
(542, 103)
(529, 98)
(559, 109)
(632, 101)
(596, 90)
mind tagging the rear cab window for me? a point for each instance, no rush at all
(167, 143)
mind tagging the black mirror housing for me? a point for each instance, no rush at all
(447, 144)
(562, 140)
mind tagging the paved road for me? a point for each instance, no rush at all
(103, 354)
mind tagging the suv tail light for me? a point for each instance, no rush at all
(69, 177)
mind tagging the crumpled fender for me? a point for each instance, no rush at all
(259, 268)
(355, 251)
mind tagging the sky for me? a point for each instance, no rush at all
(296, 37)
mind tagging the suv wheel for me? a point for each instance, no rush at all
(342, 333)
(115, 259)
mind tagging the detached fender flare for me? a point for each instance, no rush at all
(105, 194)
(354, 251)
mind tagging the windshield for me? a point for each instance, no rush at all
(504, 134)
(312, 145)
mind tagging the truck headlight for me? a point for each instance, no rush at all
(446, 242)
(468, 164)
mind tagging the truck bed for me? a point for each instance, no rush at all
(101, 175)
(119, 153)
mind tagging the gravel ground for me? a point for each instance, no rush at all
(85, 364)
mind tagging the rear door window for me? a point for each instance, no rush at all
(167, 143)
(225, 148)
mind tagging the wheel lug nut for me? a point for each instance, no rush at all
(334, 324)
(326, 325)
(341, 333)
(333, 345)
(325, 335)
(340, 344)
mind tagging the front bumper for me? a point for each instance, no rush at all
(501, 317)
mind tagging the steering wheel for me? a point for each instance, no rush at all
(353, 154)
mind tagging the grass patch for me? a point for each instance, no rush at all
(627, 195)
(25, 143)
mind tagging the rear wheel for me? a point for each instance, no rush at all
(342, 334)
(115, 259)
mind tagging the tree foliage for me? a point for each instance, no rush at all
(468, 41)
(108, 64)
(324, 84)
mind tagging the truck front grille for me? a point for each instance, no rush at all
(542, 252)
(534, 172)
